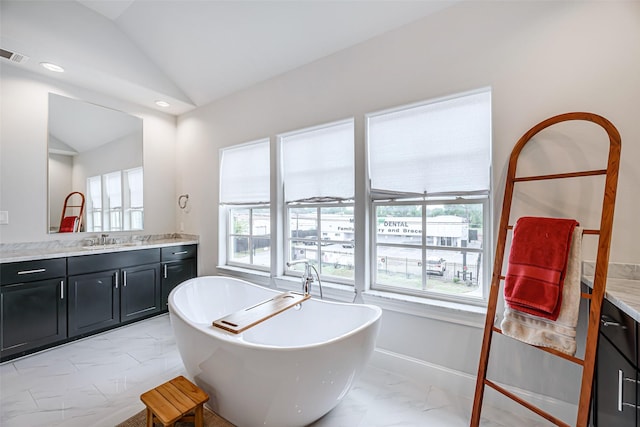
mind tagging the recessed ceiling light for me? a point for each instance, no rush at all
(163, 104)
(52, 67)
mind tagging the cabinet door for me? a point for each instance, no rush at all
(94, 302)
(140, 292)
(33, 315)
(616, 388)
(174, 273)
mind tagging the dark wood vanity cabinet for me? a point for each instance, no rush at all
(33, 306)
(108, 289)
(178, 264)
(47, 302)
(616, 394)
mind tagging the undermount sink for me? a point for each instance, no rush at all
(111, 246)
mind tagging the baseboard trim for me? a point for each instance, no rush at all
(463, 384)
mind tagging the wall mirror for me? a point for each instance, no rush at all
(95, 168)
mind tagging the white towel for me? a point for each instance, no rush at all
(561, 333)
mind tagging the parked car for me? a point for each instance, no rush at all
(349, 245)
(310, 241)
(436, 265)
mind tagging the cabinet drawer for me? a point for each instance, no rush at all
(30, 271)
(100, 262)
(620, 329)
(172, 253)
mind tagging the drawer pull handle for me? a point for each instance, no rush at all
(621, 402)
(620, 378)
(180, 253)
(607, 321)
(37, 270)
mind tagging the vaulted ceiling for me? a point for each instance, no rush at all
(189, 52)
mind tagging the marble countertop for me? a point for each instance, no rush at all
(623, 286)
(57, 249)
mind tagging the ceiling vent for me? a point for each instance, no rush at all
(18, 58)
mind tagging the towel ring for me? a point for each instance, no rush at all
(182, 201)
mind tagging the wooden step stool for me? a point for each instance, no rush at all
(173, 401)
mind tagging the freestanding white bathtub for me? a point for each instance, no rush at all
(289, 370)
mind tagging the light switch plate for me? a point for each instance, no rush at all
(4, 217)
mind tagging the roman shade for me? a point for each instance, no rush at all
(245, 173)
(318, 164)
(438, 148)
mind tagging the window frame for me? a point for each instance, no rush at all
(376, 197)
(316, 202)
(225, 208)
(250, 237)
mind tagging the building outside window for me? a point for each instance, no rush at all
(245, 205)
(429, 170)
(318, 174)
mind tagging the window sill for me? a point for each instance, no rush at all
(330, 291)
(446, 311)
(258, 277)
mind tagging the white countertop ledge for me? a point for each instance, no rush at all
(31, 251)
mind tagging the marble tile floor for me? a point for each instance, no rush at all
(97, 381)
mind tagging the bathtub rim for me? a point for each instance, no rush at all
(238, 339)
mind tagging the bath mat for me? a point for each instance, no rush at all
(211, 419)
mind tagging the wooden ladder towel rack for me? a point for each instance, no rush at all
(600, 275)
(72, 213)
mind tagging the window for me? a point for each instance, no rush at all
(94, 203)
(113, 201)
(245, 205)
(429, 170)
(324, 235)
(249, 236)
(426, 197)
(133, 203)
(318, 175)
(449, 263)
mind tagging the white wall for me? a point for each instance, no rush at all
(23, 156)
(539, 58)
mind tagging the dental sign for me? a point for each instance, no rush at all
(442, 226)
(399, 227)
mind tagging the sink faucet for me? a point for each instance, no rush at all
(103, 238)
(307, 277)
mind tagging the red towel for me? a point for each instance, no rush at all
(68, 224)
(537, 265)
